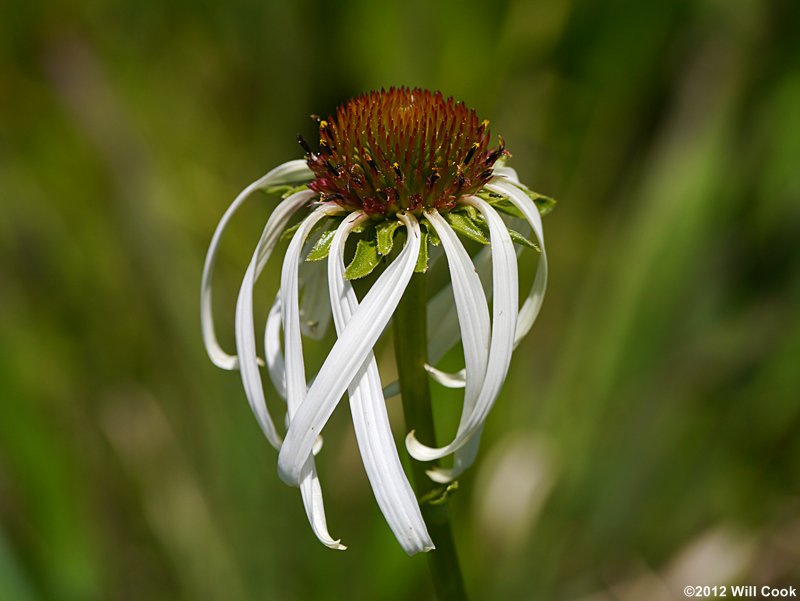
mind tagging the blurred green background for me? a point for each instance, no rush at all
(647, 436)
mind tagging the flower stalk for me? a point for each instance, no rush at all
(410, 343)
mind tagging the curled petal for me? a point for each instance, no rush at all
(272, 349)
(291, 172)
(310, 488)
(348, 354)
(463, 458)
(245, 329)
(290, 308)
(392, 490)
(311, 491)
(471, 307)
(445, 378)
(533, 302)
(504, 313)
(442, 331)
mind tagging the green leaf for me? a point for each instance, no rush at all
(433, 237)
(465, 226)
(364, 261)
(422, 257)
(471, 212)
(289, 232)
(322, 247)
(506, 206)
(522, 240)
(386, 230)
(544, 203)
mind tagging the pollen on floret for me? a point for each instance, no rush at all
(401, 149)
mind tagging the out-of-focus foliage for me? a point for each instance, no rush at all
(647, 435)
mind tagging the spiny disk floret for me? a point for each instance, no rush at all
(401, 150)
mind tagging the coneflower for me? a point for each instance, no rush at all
(403, 170)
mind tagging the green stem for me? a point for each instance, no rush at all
(410, 342)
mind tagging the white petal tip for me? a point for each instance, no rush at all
(419, 451)
(441, 476)
(448, 380)
(231, 362)
(226, 362)
(426, 549)
(336, 545)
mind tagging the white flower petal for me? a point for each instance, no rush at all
(311, 491)
(390, 485)
(507, 173)
(288, 173)
(272, 348)
(347, 355)
(290, 309)
(473, 316)
(245, 329)
(533, 303)
(314, 329)
(464, 457)
(274, 355)
(295, 371)
(471, 307)
(443, 329)
(445, 378)
(504, 313)
(317, 444)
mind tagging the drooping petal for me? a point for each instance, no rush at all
(274, 356)
(288, 173)
(311, 491)
(272, 348)
(295, 371)
(463, 458)
(533, 303)
(290, 309)
(245, 329)
(348, 355)
(315, 313)
(472, 309)
(442, 331)
(504, 317)
(473, 315)
(390, 485)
